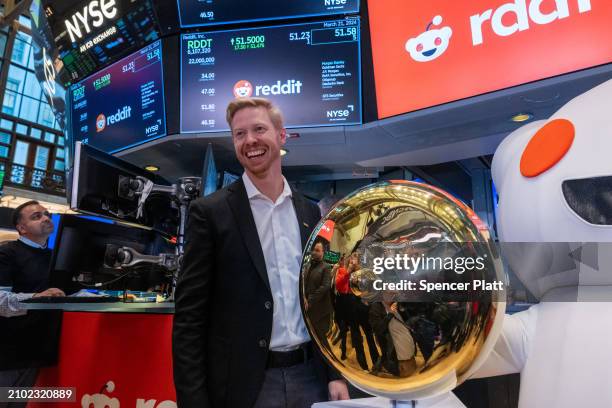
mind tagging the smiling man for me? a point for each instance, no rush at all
(239, 340)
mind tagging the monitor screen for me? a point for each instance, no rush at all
(99, 186)
(90, 35)
(78, 258)
(311, 71)
(211, 12)
(122, 105)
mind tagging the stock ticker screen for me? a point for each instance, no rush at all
(210, 12)
(96, 34)
(122, 105)
(311, 71)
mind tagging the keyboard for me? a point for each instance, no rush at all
(68, 299)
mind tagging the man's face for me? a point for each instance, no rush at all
(35, 222)
(317, 252)
(256, 141)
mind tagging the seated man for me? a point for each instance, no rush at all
(28, 340)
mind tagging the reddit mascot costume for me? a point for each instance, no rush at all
(554, 179)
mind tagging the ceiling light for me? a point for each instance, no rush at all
(151, 167)
(283, 151)
(521, 117)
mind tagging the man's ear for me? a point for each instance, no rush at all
(283, 136)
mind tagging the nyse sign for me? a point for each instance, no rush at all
(93, 16)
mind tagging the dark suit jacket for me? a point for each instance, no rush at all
(223, 315)
(317, 287)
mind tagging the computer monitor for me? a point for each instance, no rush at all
(94, 188)
(78, 258)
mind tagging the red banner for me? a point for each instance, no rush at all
(114, 360)
(431, 52)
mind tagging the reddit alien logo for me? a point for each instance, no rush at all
(243, 89)
(431, 44)
(100, 122)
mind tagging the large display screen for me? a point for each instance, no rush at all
(427, 53)
(311, 71)
(122, 105)
(211, 12)
(92, 34)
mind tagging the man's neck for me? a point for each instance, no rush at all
(42, 241)
(271, 184)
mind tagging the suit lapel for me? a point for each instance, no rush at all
(239, 203)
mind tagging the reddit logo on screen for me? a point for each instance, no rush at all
(431, 44)
(243, 89)
(100, 122)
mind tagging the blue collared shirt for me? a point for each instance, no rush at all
(31, 243)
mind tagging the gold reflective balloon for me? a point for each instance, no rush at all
(397, 342)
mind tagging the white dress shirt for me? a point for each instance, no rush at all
(279, 236)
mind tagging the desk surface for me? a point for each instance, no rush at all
(148, 307)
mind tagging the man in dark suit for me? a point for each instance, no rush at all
(317, 287)
(239, 340)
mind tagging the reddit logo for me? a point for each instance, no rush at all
(101, 400)
(243, 89)
(431, 44)
(100, 122)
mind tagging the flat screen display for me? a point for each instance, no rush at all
(122, 105)
(426, 53)
(93, 34)
(211, 12)
(311, 71)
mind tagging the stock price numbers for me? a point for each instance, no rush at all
(301, 36)
(346, 32)
(202, 61)
(102, 81)
(207, 76)
(153, 54)
(207, 15)
(208, 107)
(248, 42)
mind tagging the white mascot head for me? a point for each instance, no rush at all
(554, 179)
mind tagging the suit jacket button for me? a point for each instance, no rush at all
(268, 305)
(263, 343)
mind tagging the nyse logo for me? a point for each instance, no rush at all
(93, 14)
(151, 129)
(338, 113)
(335, 2)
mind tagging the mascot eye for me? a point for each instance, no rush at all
(438, 41)
(419, 47)
(547, 147)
